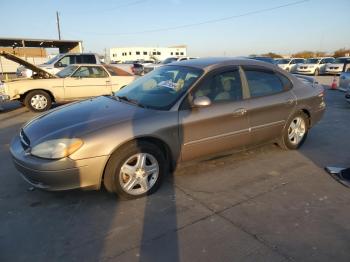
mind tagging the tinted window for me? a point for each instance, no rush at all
(88, 59)
(222, 87)
(262, 83)
(287, 84)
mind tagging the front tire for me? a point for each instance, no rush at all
(295, 132)
(135, 171)
(38, 101)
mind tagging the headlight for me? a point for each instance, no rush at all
(57, 148)
(2, 88)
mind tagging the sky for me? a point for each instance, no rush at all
(208, 28)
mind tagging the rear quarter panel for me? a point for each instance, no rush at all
(310, 98)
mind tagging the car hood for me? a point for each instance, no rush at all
(80, 118)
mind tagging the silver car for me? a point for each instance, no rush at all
(337, 66)
(179, 112)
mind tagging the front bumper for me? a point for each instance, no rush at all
(4, 98)
(333, 71)
(62, 174)
(305, 72)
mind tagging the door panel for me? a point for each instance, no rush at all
(219, 127)
(268, 115)
(214, 129)
(270, 105)
(87, 82)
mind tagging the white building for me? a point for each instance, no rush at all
(122, 54)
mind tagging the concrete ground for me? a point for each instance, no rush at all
(262, 205)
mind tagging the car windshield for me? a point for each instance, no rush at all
(161, 88)
(53, 60)
(341, 60)
(169, 60)
(312, 61)
(68, 71)
(283, 61)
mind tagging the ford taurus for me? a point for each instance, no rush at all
(184, 111)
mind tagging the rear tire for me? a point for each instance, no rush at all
(38, 101)
(125, 174)
(295, 132)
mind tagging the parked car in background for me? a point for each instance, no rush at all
(60, 61)
(75, 82)
(337, 66)
(264, 59)
(344, 81)
(149, 68)
(347, 95)
(134, 66)
(314, 66)
(179, 112)
(290, 64)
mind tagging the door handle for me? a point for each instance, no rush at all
(240, 112)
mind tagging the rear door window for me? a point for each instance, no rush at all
(88, 59)
(263, 82)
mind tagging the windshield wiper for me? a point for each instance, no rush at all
(131, 101)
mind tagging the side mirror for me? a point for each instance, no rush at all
(201, 101)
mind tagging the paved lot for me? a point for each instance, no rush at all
(262, 205)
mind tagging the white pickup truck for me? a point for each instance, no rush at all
(60, 61)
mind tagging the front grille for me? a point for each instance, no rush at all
(334, 67)
(24, 140)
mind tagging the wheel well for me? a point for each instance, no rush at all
(306, 112)
(22, 97)
(156, 141)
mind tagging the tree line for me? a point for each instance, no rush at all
(309, 54)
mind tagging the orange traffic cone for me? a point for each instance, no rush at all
(334, 84)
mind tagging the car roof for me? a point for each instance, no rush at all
(211, 63)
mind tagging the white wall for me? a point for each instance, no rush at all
(9, 66)
(137, 53)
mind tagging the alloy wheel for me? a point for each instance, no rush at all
(139, 173)
(296, 130)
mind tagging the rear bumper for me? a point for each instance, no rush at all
(316, 116)
(62, 174)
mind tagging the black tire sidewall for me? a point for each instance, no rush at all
(286, 143)
(37, 92)
(118, 158)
